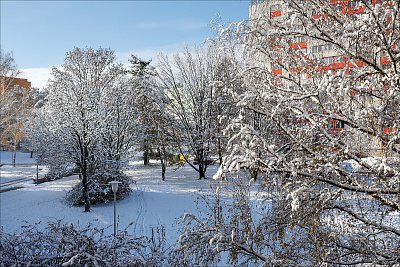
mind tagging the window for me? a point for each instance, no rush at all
(318, 74)
(274, 65)
(338, 59)
(298, 27)
(299, 39)
(327, 47)
(314, 12)
(335, 124)
(354, 4)
(274, 8)
(316, 48)
(321, 48)
(303, 50)
(327, 60)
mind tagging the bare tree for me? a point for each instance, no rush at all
(15, 104)
(187, 81)
(8, 70)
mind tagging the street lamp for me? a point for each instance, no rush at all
(114, 187)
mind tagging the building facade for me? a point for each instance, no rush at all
(10, 82)
(312, 57)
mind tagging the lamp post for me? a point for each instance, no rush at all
(114, 187)
(37, 168)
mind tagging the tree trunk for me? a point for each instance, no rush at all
(14, 155)
(253, 174)
(146, 156)
(162, 153)
(202, 170)
(202, 165)
(163, 168)
(85, 191)
(219, 151)
(31, 156)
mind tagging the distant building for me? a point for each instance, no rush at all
(10, 82)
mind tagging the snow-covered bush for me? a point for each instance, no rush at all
(60, 244)
(99, 187)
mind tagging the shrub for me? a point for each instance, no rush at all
(99, 187)
(60, 244)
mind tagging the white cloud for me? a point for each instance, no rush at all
(37, 76)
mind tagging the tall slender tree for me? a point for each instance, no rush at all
(145, 101)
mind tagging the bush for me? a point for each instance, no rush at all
(99, 187)
(61, 170)
(62, 244)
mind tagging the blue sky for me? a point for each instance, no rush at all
(39, 33)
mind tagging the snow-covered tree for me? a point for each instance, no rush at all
(188, 82)
(226, 80)
(146, 95)
(153, 122)
(8, 71)
(15, 104)
(86, 120)
(334, 191)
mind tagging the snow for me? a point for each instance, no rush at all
(153, 203)
(21, 158)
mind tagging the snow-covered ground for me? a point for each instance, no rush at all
(14, 176)
(153, 203)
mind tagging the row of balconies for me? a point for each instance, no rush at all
(336, 126)
(349, 7)
(328, 63)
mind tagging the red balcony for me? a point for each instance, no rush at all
(277, 72)
(354, 92)
(389, 130)
(337, 65)
(356, 10)
(316, 16)
(385, 61)
(299, 45)
(296, 70)
(360, 63)
(276, 13)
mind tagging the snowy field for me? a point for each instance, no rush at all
(152, 204)
(24, 170)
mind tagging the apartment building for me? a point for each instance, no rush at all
(318, 57)
(330, 59)
(10, 82)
